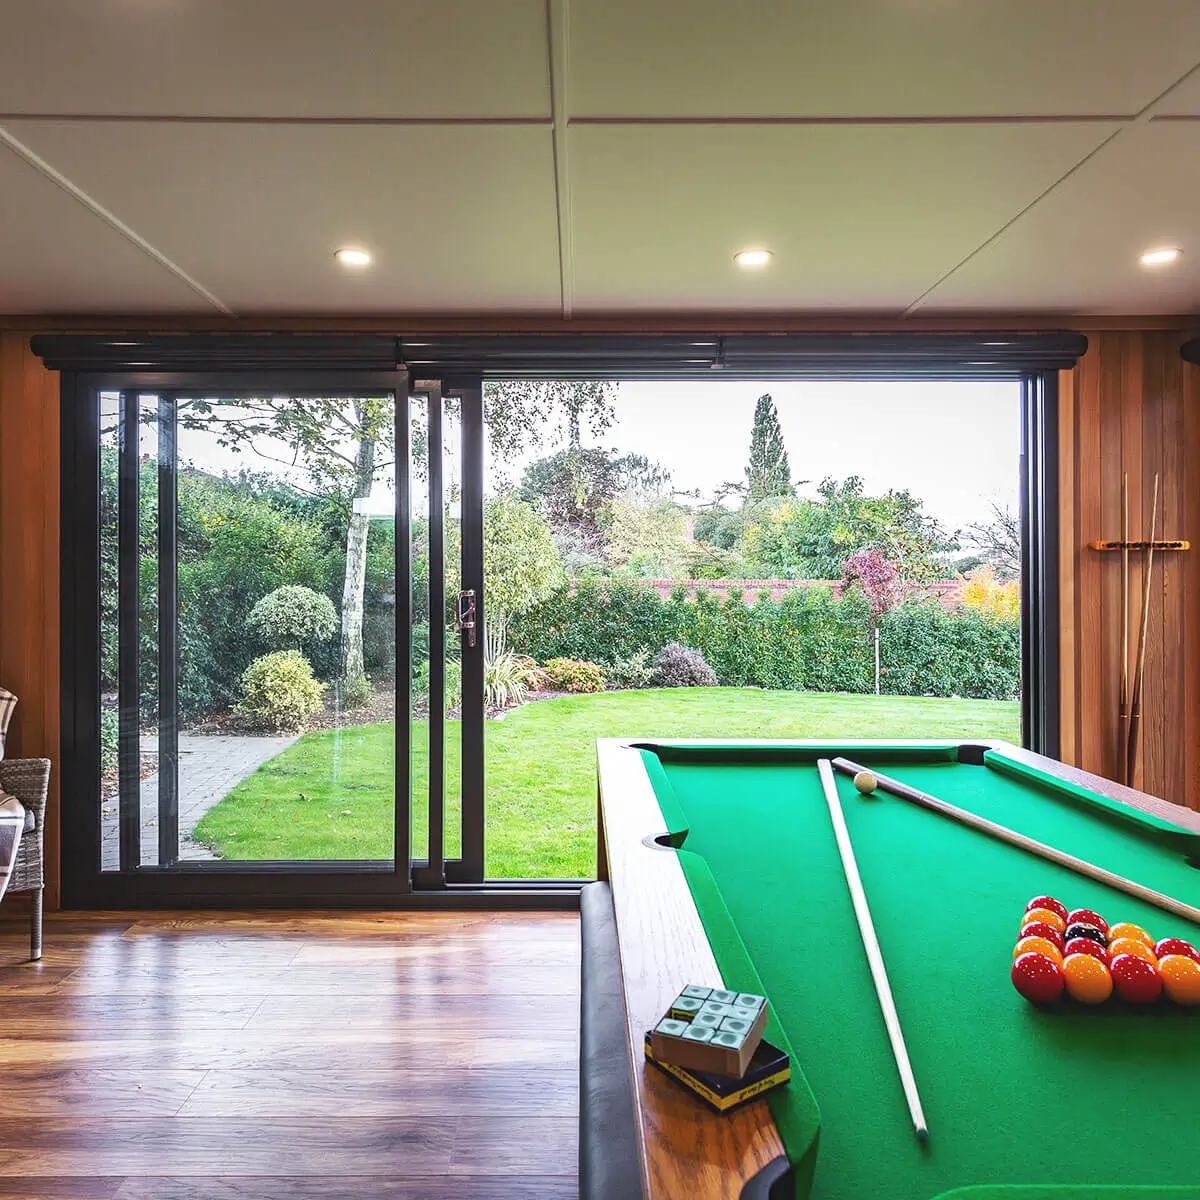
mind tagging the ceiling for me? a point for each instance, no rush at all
(592, 157)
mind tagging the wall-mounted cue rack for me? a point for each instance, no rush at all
(1130, 702)
(1176, 545)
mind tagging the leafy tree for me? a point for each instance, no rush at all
(524, 413)
(768, 473)
(521, 564)
(879, 578)
(572, 486)
(646, 540)
(984, 591)
(811, 539)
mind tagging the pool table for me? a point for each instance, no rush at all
(723, 870)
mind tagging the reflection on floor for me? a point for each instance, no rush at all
(238, 1056)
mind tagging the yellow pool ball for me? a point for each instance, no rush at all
(865, 782)
(1040, 945)
(1181, 978)
(1128, 945)
(1044, 914)
(1087, 978)
(1124, 929)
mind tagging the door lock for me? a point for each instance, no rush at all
(466, 614)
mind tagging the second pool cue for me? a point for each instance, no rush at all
(1030, 845)
(1123, 723)
(866, 927)
(1135, 706)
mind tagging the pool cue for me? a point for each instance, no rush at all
(1123, 723)
(1050, 853)
(1135, 708)
(866, 927)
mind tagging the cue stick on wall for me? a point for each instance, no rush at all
(1050, 853)
(1123, 723)
(866, 928)
(1135, 708)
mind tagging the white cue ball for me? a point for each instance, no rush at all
(865, 782)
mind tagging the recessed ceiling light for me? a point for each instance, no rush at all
(752, 258)
(352, 256)
(1159, 258)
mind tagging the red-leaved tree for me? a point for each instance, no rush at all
(879, 578)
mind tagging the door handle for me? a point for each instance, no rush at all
(466, 614)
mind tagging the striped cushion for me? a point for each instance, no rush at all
(8, 702)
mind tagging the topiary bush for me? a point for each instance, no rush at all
(292, 617)
(682, 666)
(279, 691)
(572, 675)
(632, 672)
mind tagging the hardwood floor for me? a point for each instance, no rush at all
(381, 1056)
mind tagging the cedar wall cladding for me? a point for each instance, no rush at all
(29, 504)
(1131, 405)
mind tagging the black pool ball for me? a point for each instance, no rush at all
(1093, 932)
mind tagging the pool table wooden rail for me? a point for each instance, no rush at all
(686, 1150)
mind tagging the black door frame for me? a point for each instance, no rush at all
(334, 364)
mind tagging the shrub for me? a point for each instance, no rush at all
(453, 686)
(279, 690)
(506, 679)
(109, 729)
(292, 617)
(572, 675)
(985, 593)
(682, 666)
(632, 672)
(354, 691)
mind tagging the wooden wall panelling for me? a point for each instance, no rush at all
(29, 565)
(1130, 405)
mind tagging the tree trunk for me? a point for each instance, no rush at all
(356, 564)
(877, 658)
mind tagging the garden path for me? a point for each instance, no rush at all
(209, 768)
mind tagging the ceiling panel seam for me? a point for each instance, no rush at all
(1144, 117)
(34, 160)
(557, 35)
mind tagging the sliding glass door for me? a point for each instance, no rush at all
(275, 607)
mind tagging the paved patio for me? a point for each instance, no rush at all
(209, 768)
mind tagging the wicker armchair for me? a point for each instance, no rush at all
(29, 780)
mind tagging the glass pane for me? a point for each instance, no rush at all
(452, 524)
(419, 700)
(286, 629)
(110, 404)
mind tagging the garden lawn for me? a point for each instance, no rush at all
(330, 795)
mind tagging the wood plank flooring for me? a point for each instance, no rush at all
(379, 1056)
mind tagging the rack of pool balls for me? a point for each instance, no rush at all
(1078, 952)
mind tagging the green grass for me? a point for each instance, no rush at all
(330, 795)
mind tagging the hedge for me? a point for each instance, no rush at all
(807, 640)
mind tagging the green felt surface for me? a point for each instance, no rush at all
(1014, 1095)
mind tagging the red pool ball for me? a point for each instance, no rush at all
(1041, 929)
(1040, 979)
(1137, 981)
(1173, 946)
(1055, 906)
(1086, 946)
(1087, 916)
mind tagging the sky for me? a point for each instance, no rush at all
(953, 445)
